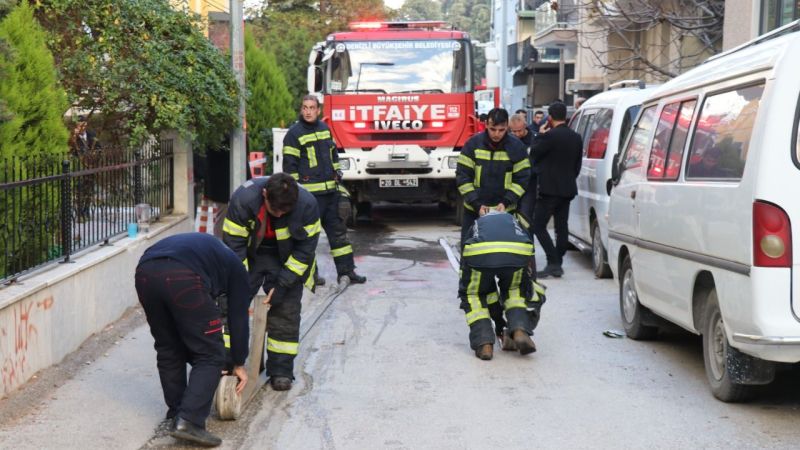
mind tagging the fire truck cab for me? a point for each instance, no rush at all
(398, 98)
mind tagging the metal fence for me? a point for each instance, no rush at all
(52, 206)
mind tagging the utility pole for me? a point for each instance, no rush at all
(238, 150)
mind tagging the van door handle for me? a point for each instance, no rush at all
(633, 195)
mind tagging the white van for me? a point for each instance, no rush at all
(704, 209)
(603, 121)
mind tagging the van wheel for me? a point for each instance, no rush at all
(599, 255)
(719, 357)
(633, 313)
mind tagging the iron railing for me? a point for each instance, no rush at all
(52, 206)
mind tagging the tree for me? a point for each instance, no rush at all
(32, 140)
(269, 103)
(34, 101)
(420, 10)
(474, 17)
(655, 37)
(290, 28)
(290, 36)
(143, 66)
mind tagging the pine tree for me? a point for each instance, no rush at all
(269, 103)
(34, 101)
(32, 138)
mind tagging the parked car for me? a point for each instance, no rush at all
(603, 121)
(704, 208)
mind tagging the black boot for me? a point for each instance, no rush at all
(354, 277)
(281, 383)
(190, 432)
(318, 280)
(551, 270)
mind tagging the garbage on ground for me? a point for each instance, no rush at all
(616, 334)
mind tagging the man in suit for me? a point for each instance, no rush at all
(557, 152)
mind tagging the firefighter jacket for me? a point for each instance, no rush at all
(497, 240)
(489, 173)
(310, 156)
(297, 232)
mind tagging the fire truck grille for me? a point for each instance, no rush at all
(398, 171)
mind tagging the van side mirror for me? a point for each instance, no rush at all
(615, 173)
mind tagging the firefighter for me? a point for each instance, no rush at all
(177, 280)
(498, 247)
(273, 227)
(493, 171)
(310, 156)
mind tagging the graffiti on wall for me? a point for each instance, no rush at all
(19, 333)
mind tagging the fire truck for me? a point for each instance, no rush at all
(398, 98)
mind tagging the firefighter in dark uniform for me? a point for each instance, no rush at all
(273, 227)
(310, 156)
(493, 171)
(498, 247)
(177, 281)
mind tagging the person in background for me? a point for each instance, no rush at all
(492, 172)
(310, 156)
(519, 128)
(557, 152)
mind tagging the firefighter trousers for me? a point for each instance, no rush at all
(482, 303)
(283, 319)
(336, 230)
(186, 326)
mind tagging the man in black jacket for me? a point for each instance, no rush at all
(310, 156)
(273, 227)
(177, 281)
(557, 153)
(493, 171)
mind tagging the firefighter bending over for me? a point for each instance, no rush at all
(273, 227)
(498, 247)
(310, 156)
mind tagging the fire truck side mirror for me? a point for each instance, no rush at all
(314, 79)
(315, 57)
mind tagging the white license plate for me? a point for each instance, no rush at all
(398, 182)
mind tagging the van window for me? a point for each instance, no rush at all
(586, 119)
(678, 142)
(658, 153)
(595, 140)
(573, 122)
(627, 123)
(722, 135)
(640, 140)
(669, 141)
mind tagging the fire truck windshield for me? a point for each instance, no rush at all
(389, 67)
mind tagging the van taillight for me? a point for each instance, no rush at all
(772, 236)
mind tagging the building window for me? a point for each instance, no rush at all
(777, 13)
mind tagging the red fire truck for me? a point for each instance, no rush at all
(398, 97)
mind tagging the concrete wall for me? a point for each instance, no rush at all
(741, 22)
(50, 313)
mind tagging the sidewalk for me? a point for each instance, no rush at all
(113, 401)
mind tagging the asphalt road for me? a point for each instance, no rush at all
(387, 365)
